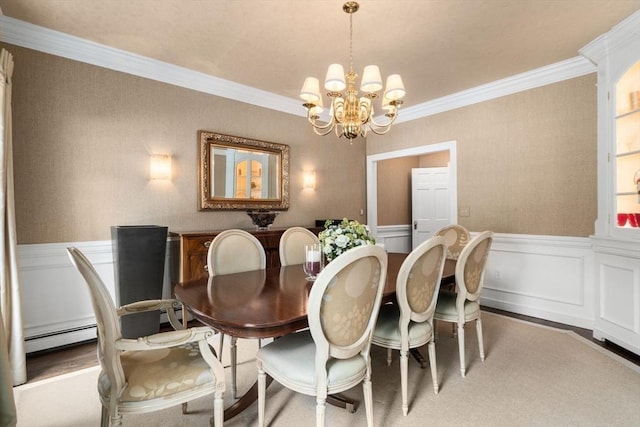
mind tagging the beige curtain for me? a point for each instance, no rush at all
(10, 306)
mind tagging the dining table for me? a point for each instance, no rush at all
(268, 303)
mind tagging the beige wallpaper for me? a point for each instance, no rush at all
(526, 162)
(83, 136)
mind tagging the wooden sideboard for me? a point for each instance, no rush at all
(194, 246)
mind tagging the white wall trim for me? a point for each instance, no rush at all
(42, 39)
(549, 277)
(56, 307)
(554, 73)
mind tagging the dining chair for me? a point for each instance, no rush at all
(408, 323)
(153, 372)
(292, 245)
(456, 237)
(234, 251)
(333, 354)
(464, 305)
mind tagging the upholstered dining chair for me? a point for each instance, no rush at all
(333, 354)
(234, 251)
(292, 245)
(456, 237)
(408, 323)
(153, 372)
(464, 305)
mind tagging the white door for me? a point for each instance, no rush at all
(430, 202)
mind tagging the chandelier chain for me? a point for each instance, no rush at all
(351, 42)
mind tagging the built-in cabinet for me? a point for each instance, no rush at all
(616, 241)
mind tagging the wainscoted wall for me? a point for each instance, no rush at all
(543, 276)
(56, 306)
(548, 277)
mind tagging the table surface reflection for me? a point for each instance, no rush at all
(267, 303)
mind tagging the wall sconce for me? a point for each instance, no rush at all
(309, 180)
(160, 167)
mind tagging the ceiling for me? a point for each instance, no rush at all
(440, 47)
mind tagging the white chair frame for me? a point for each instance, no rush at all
(325, 350)
(111, 347)
(464, 295)
(398, 336)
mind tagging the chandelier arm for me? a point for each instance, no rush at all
(384, 125)
(318, 132)
(318, 126)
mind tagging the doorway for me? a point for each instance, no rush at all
(372, 177)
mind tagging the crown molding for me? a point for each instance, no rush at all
(626, 33)
(44, 40)
(554, 73)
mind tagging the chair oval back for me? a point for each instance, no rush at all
(470, 266)
(418, 281)
(107, 322)
(292, 245)
(456, 238)
(344, 302)
(235, 251)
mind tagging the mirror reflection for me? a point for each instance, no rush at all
(242, 173)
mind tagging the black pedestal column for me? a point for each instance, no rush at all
(139, 257)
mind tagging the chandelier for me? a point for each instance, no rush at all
(351, 115)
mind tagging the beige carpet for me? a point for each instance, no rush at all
(532, 376)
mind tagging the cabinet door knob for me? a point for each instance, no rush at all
(207, 243)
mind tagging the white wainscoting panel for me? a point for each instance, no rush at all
(396, 238)
(543, 276)
(56, 306)
(548, 277)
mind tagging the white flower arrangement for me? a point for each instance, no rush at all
(338, 238)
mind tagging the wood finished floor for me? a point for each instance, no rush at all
(53, 362)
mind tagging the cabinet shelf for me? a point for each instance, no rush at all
(627, 114)
(628, 153)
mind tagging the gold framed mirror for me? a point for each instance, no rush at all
(238, 173)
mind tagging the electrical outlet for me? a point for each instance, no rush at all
(497, 274)
(464, 211)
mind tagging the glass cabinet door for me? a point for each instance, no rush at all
(627, 145)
